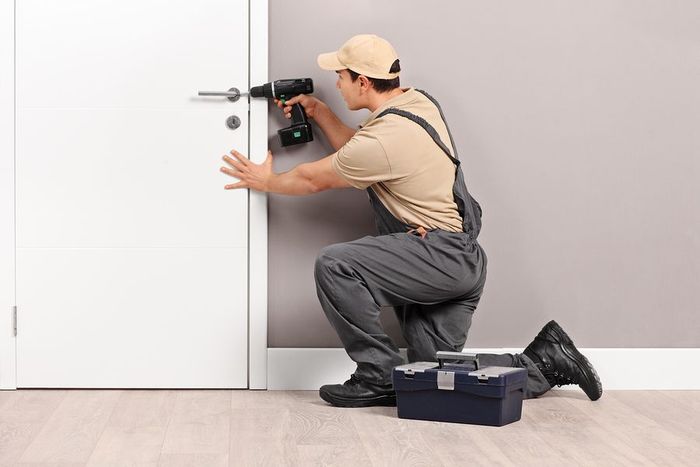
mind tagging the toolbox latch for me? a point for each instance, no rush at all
(446, 380)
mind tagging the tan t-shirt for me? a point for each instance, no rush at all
(399, 160)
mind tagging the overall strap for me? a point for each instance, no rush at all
(426, 126)
(449, 133)
(468, 207)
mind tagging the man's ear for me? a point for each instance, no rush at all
(364, 82)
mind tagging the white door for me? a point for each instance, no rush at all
(131, 257)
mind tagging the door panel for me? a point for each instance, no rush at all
(123, 178)
(122, 317)
(132, 261)
(130, 53)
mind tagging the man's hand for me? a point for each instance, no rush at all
(335, 130)
(310, 104)
(251, 175)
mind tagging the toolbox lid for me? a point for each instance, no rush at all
(416, 367)
(419, 376)
(485, 373)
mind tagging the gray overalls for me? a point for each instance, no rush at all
(433, 282)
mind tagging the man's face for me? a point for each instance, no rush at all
(349, 90)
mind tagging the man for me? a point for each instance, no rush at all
(426, 262)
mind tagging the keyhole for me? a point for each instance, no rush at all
(233, 122)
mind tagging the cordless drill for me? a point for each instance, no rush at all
(285, 89)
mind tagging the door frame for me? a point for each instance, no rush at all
(257, 202)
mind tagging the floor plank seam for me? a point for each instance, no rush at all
(167, 426)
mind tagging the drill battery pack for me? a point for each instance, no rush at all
(459, 392)
(296, 134)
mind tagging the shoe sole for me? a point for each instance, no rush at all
(381, 401)
(581, 361)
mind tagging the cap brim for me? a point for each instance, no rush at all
(330, 62)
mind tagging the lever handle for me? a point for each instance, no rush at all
(232, 94)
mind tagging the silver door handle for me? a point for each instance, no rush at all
(232, 94)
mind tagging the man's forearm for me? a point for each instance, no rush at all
(336, 131)
(297, 181)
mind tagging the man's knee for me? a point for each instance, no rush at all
(327, 257)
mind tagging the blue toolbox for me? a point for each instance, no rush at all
(459, 392)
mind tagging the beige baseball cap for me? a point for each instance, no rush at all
(365, 54)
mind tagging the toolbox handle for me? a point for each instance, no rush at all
(469, 357)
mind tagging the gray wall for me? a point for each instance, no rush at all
(578, 124)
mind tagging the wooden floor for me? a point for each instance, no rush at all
(213, 428)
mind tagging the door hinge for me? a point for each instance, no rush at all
(14, 320)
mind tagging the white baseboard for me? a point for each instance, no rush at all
(308, 369)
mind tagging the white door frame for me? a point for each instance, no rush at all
(7, 194)
(257, 202)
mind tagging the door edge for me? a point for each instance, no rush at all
(257, 202)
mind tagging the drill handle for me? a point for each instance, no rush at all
(299, 131)
(298, 114)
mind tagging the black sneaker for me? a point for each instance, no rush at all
(357, 393)
(561, 363)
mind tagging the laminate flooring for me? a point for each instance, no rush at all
(277, 428)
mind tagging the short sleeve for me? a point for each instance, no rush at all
(362, 161)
